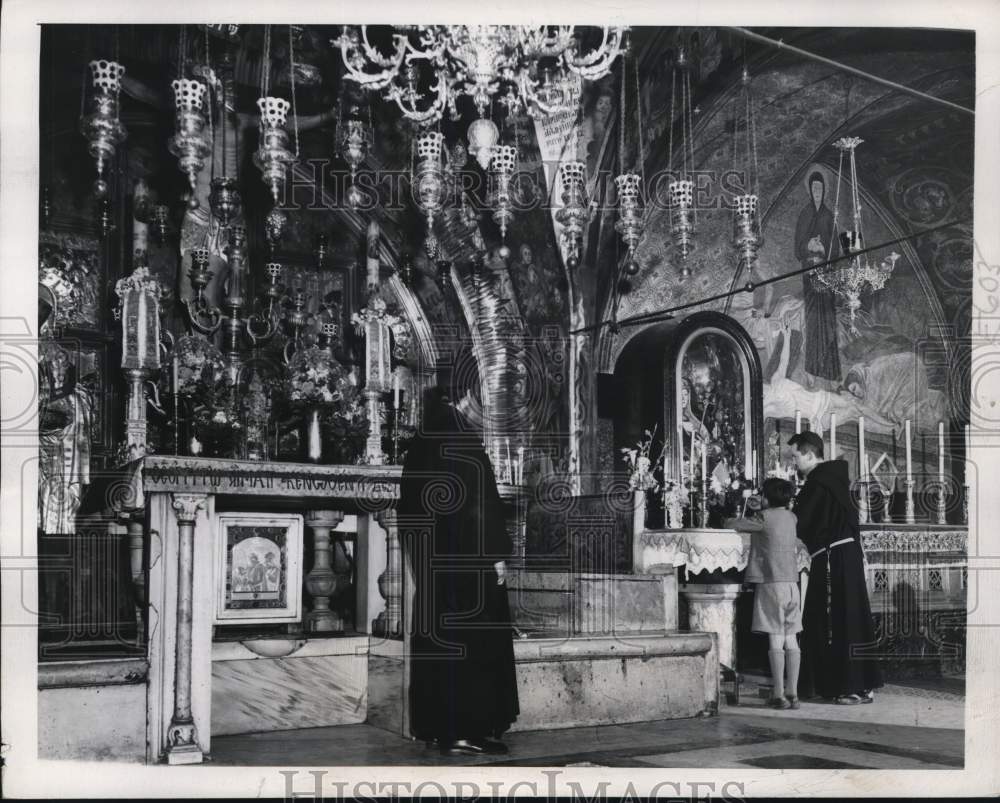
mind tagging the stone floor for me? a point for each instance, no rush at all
(906, 728)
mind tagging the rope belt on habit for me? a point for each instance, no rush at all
(829, 586)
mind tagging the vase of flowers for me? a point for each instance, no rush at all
(645, 471)
(319, 388)
(198, 384)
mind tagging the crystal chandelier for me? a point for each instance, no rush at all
(573, 214)
(746, 236)
(630, 184)
(102, 128)
(478, 61)
(681, 188)
(273, 156)
(850, 277)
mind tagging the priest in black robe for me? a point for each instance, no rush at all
(839, 657)
(463, 687)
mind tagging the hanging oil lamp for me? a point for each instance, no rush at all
(102, 128)
(189, 144)
(504, 162)
(746, 234)
(681, 189)
(630, 183)
(273, 156)
(573, 213)
(429, 179)
(162, 226)
(354, 137)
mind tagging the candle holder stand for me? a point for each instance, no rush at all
(942, 507)
(911, 515)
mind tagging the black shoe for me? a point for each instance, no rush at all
(473, 747)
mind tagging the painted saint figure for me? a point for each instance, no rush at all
(813, 246)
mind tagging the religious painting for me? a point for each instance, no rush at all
(69, 266)
(259, 570)
(711, 392)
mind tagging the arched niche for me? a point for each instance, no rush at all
(649, 377)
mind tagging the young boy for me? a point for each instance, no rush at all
(772, 566)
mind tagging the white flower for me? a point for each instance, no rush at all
(735, 484)
(220, 417)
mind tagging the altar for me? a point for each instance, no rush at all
(188, 505)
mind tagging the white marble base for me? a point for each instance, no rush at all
(93, 723)
(571, 604)
(272, 694)
(606, 680)
(712, 608)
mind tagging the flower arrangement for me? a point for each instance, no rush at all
(316, 378)
(726, 499)
(675, 498)
(200, 368)
(346, 426)
(643, 470)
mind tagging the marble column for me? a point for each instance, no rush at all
(182, 738)
(712, 609)
(388, 624)
(321, 581)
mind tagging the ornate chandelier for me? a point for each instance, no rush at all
(848, 280)
(102, 128)
(478, 61)
(683, 219)
(746, 237)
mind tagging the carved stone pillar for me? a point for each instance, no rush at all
(321, 581)
(182, 738)
(388, 624)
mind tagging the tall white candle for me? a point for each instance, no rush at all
(395, 390)
(753, 467)
(798, 421)
(704, 462)
(519, 478)
(941, 451)
(833, 436)
(909, 453)
(968, 453)
(861, 444)
(510, 465)
(175, 377)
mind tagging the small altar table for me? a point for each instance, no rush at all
(177, 498)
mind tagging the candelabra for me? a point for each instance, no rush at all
(102, 128)
(189, 144)
(572, 216)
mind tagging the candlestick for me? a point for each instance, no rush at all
(863, 508)
(909, 452)
(704, 463)
(798, 421)
(965, 487)
(395, 389)
(833, 436)
(861, 441)
(941, 452)
(753, 467)
(520, 465)
(911, 515)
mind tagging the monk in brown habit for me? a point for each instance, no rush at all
(463, 689)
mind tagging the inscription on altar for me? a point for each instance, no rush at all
(274, 480)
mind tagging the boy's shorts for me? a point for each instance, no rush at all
(776, 609)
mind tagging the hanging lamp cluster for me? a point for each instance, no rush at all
(273, 156)
(683, 218)
(630, 185)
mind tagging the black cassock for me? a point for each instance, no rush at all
(453, 525)
(838, 636)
